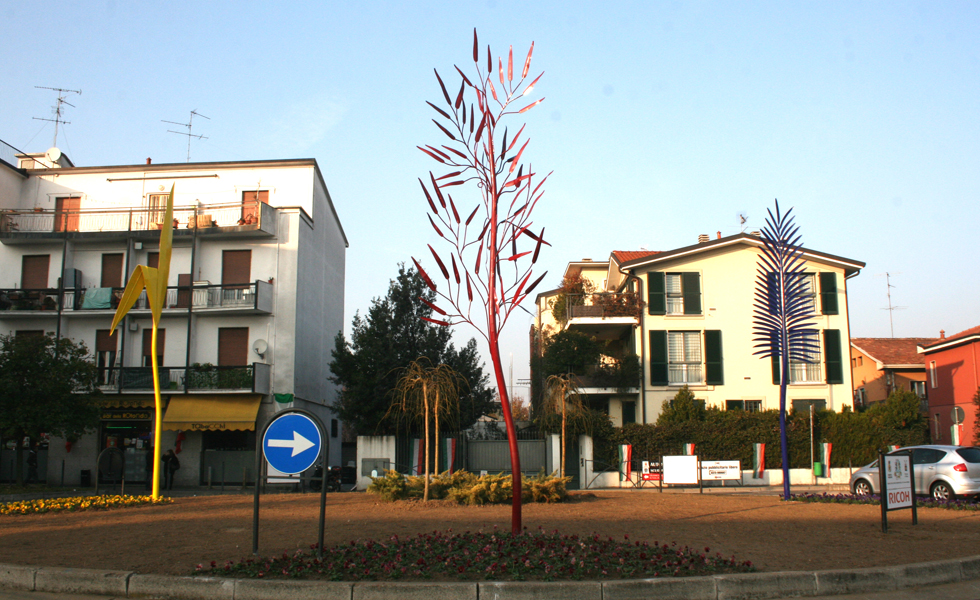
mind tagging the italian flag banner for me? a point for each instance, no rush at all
(825, 457)
(759, 462)
(418, 457)
(689, 449)
(892, 448)
(625, 462)
(448, 454)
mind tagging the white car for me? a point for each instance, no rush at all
(943, 472)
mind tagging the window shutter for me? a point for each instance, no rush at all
(691, 283)
(834, 367)
(656, 294)
(112, 271)
(828, 293)
(776, 367)
(713, 358)
(34, 272)
(105, 342)
(658, 357)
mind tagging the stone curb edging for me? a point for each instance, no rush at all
(713, 587)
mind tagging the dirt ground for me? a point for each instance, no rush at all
(774, 535)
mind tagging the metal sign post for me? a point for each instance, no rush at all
(290, 443)
(897, 484)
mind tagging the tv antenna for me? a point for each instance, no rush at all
(891, 309)
(56, 110)
(190, 130)
(743, 218)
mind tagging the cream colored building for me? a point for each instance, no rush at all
(687, 314)
(255, 298)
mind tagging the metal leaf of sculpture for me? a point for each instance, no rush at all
(154, 281)
(783, 310)
(476, 153)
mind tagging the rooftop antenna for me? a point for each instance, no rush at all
(56, 110)
(891, 309)
(743, 218)
(190, 130)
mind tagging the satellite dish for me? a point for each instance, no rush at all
(260, 347)
(53, 154)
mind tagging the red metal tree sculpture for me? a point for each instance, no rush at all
(498, 278)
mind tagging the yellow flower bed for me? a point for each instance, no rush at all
(32, 507)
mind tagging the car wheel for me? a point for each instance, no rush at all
(862, 488)
(942, 491)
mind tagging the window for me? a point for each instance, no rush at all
(807, 372)
(804, 405)
(932, 373)
(746, 405)
(157, 207)
(112, 271)
(676, 358)
(918, 388)
(34, 272)
(236, 272)
(860, 397)
(828, 293)
(250, 206)
(334, 427)
(148, 346)
(66, 213)
(684, 357)
(629, 412)
(809, 292)
(674, 293)
(232, 346)
(105, 355)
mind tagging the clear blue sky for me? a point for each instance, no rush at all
(661, 121)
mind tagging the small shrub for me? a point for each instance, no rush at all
(464, 487)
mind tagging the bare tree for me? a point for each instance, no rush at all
(562, 398)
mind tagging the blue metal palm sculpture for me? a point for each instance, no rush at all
(783, 310)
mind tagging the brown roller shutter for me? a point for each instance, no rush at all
(105, 342)
(184, 290)
(148, 345)
(112, 270)
(34, 272)
(250, 206)
(232, 346)
(66, 213)
(153, 259)
(236, 268)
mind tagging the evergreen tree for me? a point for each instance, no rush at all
(385, 342)
(47, 385)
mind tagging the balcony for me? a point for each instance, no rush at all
(255, 378)
(605, 316)
(251, 298)
(28, 303)
(238, 219)
(621, 376)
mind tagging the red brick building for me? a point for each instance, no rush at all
(953, 379)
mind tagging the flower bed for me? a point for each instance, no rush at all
(490, 555)
(875, 499)
(77, 503)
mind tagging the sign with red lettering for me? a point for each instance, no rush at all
(898, 481)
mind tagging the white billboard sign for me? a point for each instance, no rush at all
(681, 469)
(718, 470)
(898, 481)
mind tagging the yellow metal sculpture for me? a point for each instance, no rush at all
(154, 281)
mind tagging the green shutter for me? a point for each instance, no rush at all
(691, 286)
(658, 358)
(828, 293)
(832, 352)
(713, 358)
(656, 294)
(776, 368)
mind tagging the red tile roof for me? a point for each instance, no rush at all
(963, 334)
(622, 256)
(893, 351)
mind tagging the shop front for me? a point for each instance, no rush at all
(127, 426)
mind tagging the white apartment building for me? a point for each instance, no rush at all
(255, 299)
(687, 316)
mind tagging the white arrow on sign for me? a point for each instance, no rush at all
(298, 444)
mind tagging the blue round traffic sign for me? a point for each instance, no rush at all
(292, 443)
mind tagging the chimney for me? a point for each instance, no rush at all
(703, 238)
(942, 334)
(719, 235)
(149, 160)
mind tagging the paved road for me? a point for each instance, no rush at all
(17, 595)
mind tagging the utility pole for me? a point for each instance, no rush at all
(56, 109)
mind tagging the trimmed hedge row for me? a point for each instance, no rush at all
(731, 435)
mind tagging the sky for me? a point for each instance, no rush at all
(661, 121)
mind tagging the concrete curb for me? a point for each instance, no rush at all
(714, 587)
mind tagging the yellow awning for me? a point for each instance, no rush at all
(212, 412)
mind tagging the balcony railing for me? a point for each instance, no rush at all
(28, 299)
(194, 378)
(622, 374)
(604, 305)
(256, 295)
(236, 214)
